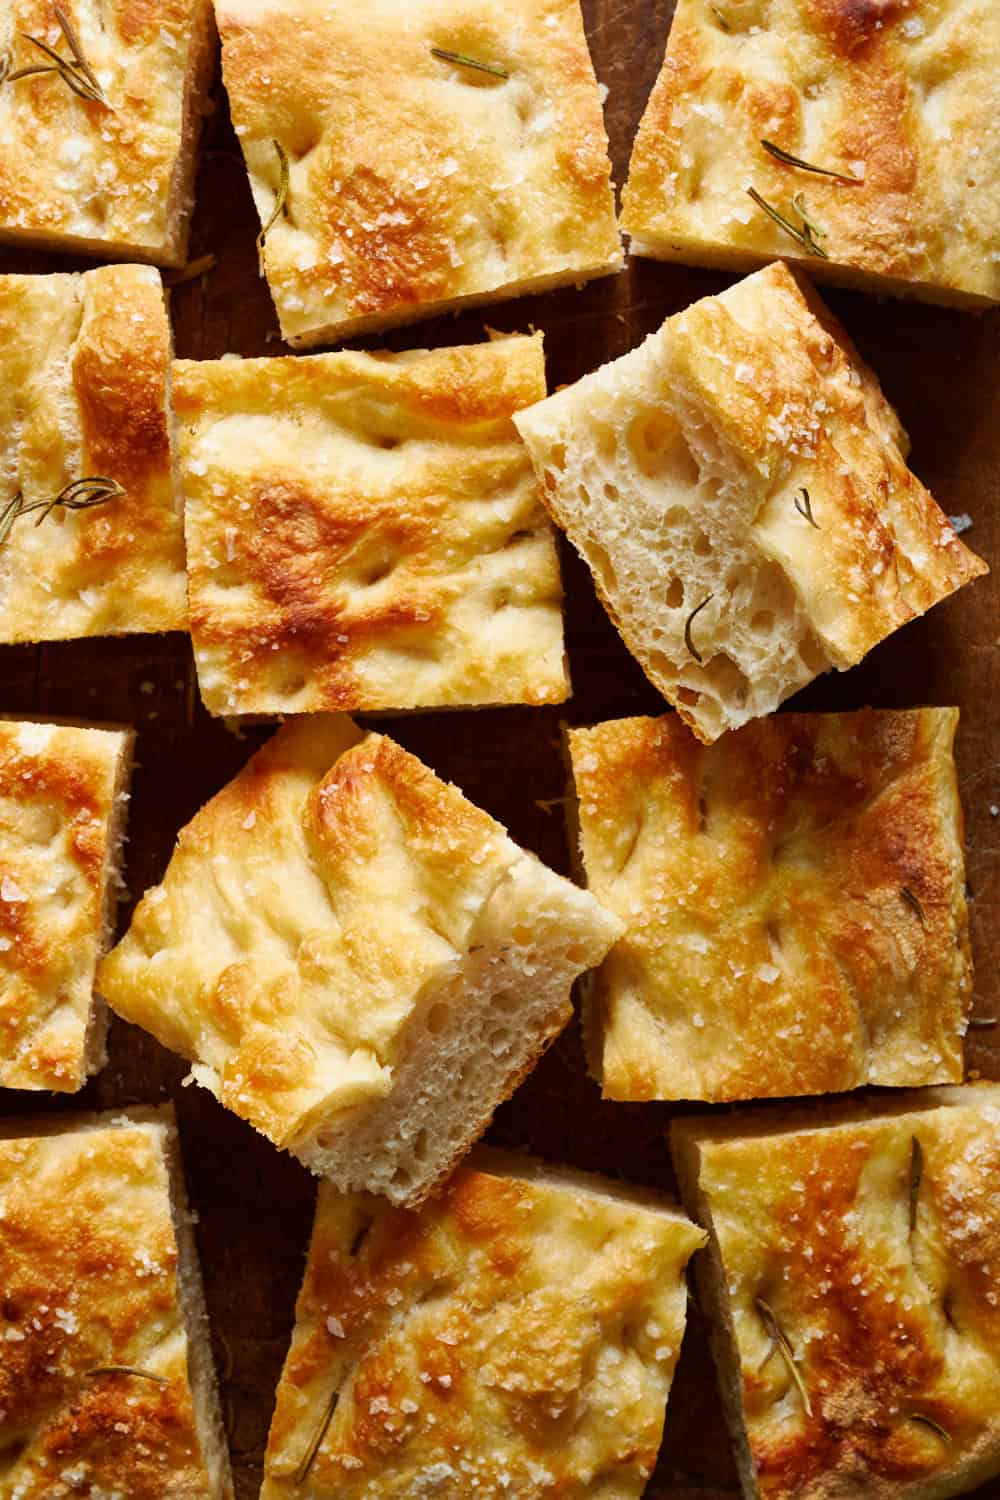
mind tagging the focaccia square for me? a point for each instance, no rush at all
(794, 904)
(887, 110)
(63, 798)
(359, 962)
(84, 374)
(851, 1283)
(739, 490)
(518, 1336)
(410, 157)
(106, 171)
(365, 531)
(106, 1384)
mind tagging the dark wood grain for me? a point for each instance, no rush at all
(942, 369)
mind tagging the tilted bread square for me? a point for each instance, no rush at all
(417, 182)
(517, 1336)
(892, 106)
(106, 1383)
(358, 961)
(851, 1284)
(738, 487)
(84, 373)
(63, 796)
(794, 904)
(365, 531)
(113, 179)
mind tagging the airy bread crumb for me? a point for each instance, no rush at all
(738, 487)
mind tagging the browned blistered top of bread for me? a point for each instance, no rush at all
(738, 486)
(90, 1282)
(516, 1336)
(84, 367)
(308, 910)
(416, 182)
(58, 820)
(875, 1243)
(794, 899)
(899, 95)
(365, 531)
(107, 179)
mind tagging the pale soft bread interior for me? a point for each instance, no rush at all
(476, 1031)
(113, 886)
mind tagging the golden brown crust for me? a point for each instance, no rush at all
(108, 181)
(85, 365)
(365, 531)
(312, 912)
(795, 904)
(90, 1280)
(885, 1291)
(898, 94)
(416, 183)
(58, 788)
(518, 1335)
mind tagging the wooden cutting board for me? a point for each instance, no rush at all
(942, 371)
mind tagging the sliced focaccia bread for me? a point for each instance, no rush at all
(858, 138)
(91, 537)
(106, 1383)
(739, 489)
(63, 796)
(412, 156)
(357, 960)
(851, 1284)
(365, 531)
(100, 108)
(794, 903)
(516, 1336)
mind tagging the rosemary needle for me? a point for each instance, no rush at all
(789, 160)
(780, 1342)
(804, 508)
(309, 1457)
(804, 236)
(935, 1427)
(914, 903)
(689, 643)
(462, 60)
(982, 1022)
(281, 201)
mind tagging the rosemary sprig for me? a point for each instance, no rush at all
(809, 226)
(689, 643)
(916, 1175)
(75, 72)
(462, 60)
(788, 160)
(780, 1343)
(806, 236)
(804, 508)
(80, 494)
(309, 1457)
(914, 903)
(125, 1370)
(281, 201)
(935, 1427)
